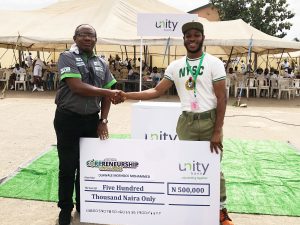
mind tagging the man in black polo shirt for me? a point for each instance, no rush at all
(83, 92)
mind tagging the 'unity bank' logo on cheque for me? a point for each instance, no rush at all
(194, 168)
(111, 164)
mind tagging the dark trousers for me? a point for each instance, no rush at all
(69, 128)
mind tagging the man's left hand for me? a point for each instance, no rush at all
(102, 131)
(216, 143)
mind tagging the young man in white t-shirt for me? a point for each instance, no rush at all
(15, 75)
(200, 82)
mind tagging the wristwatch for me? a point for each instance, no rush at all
(102, 120)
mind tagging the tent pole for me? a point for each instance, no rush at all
(126, 51)
(145, 54)
(20, 57)
(15, 50)
(3, 54)
(141, 62)
(229, 58)
(14, 58)
(267, 59)
(255, 60)
(122, 54)
(280, 59)
(49, 55)
(168, 43)
(169, 52)
(43, 55)
(134, 55)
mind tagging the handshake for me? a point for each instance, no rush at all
(117, 96)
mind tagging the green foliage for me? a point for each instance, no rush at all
(268, 16)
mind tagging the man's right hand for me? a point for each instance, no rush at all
(117, 96)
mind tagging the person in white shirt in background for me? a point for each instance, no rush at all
(155, 76)
(15, 76)
(267, 73)
(289, 73)
(29, 60)
(243, 67)
(38, 66)
(231, 74)
(259, 73)
(285, 65)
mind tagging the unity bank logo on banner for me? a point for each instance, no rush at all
(162, 24)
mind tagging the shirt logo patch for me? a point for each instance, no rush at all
(78, 59)
(65, 70)
(97, 63)
(98, 68)
(80, 64)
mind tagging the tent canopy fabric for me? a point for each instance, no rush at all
(287, 55)
(53, 26)
(116, 24)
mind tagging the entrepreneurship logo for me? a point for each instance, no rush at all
(111, 164)
(166, 25)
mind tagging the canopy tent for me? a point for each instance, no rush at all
(288, 55)
(53, 27)
(115, 21)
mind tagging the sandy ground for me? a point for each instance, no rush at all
(26, 131)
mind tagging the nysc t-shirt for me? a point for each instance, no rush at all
(212, 70)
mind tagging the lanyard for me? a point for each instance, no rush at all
(197, 72)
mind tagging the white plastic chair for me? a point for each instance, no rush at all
(296, 86)
(21, 79)
(5, 78)
(273, 86)
(252, 85)
(263, 84)
(240, 85)
(286, 86)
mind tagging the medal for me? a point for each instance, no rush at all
(190, 84)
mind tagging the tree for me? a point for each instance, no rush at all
(268, 16)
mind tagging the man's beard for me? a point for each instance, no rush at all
(196, 50)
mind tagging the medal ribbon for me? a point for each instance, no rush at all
(197, 72)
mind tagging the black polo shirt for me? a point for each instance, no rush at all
(91, 70)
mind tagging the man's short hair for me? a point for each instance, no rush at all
(81, 25)
(192, 25)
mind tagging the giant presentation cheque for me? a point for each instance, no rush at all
(142, 182)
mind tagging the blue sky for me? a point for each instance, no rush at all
(184, 5)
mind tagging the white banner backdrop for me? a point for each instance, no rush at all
(155, 120)
(138, 182)
(169, 25)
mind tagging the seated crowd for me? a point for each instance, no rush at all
(40, 76)
(36, 74)
(129, 69)
(264, 82)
